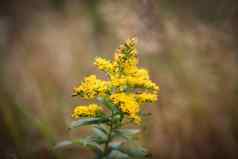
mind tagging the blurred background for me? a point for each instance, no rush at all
(189, 46)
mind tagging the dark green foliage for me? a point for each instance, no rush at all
(87, 121)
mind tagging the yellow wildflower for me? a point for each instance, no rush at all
(133, 81)
(124, 76)
(86, 111)
(127, 104)
(104, 64)
(116, 82)
(151, 85)
(140, 78)
(136, 72)
(91, 87)
(146, 97)
(126, 54)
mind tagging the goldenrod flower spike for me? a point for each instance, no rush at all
(125, 88)
(124, 75)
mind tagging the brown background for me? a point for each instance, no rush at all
(189, 46)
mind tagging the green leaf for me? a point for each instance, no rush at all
(102, 128)
(114, 154)
(90, 144)
(137, 152)
(108, 104)
(132, 150)
(100, 132)
(82, 142)
(129, 132)
(116, 145)
(87, 121)
(99, 136)
(97, 140)
(125, 133)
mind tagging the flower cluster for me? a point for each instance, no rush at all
(128, 85)
(86, 111)
(91, 87)
(104, 64)
(127, 104)
(136, 78)
(146, 97)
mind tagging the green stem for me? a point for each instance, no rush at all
(106, 148)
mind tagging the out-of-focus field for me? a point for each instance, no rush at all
(47, 47)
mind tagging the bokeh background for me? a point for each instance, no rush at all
(189, 46)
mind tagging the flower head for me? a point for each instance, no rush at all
(135, 78)
(146, 97)
(86, 111)
(126, 55)
(91, 87)
(127, 104)
(104, 64)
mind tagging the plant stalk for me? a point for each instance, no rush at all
(106, 148)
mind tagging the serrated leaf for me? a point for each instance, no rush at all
(87, 121)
